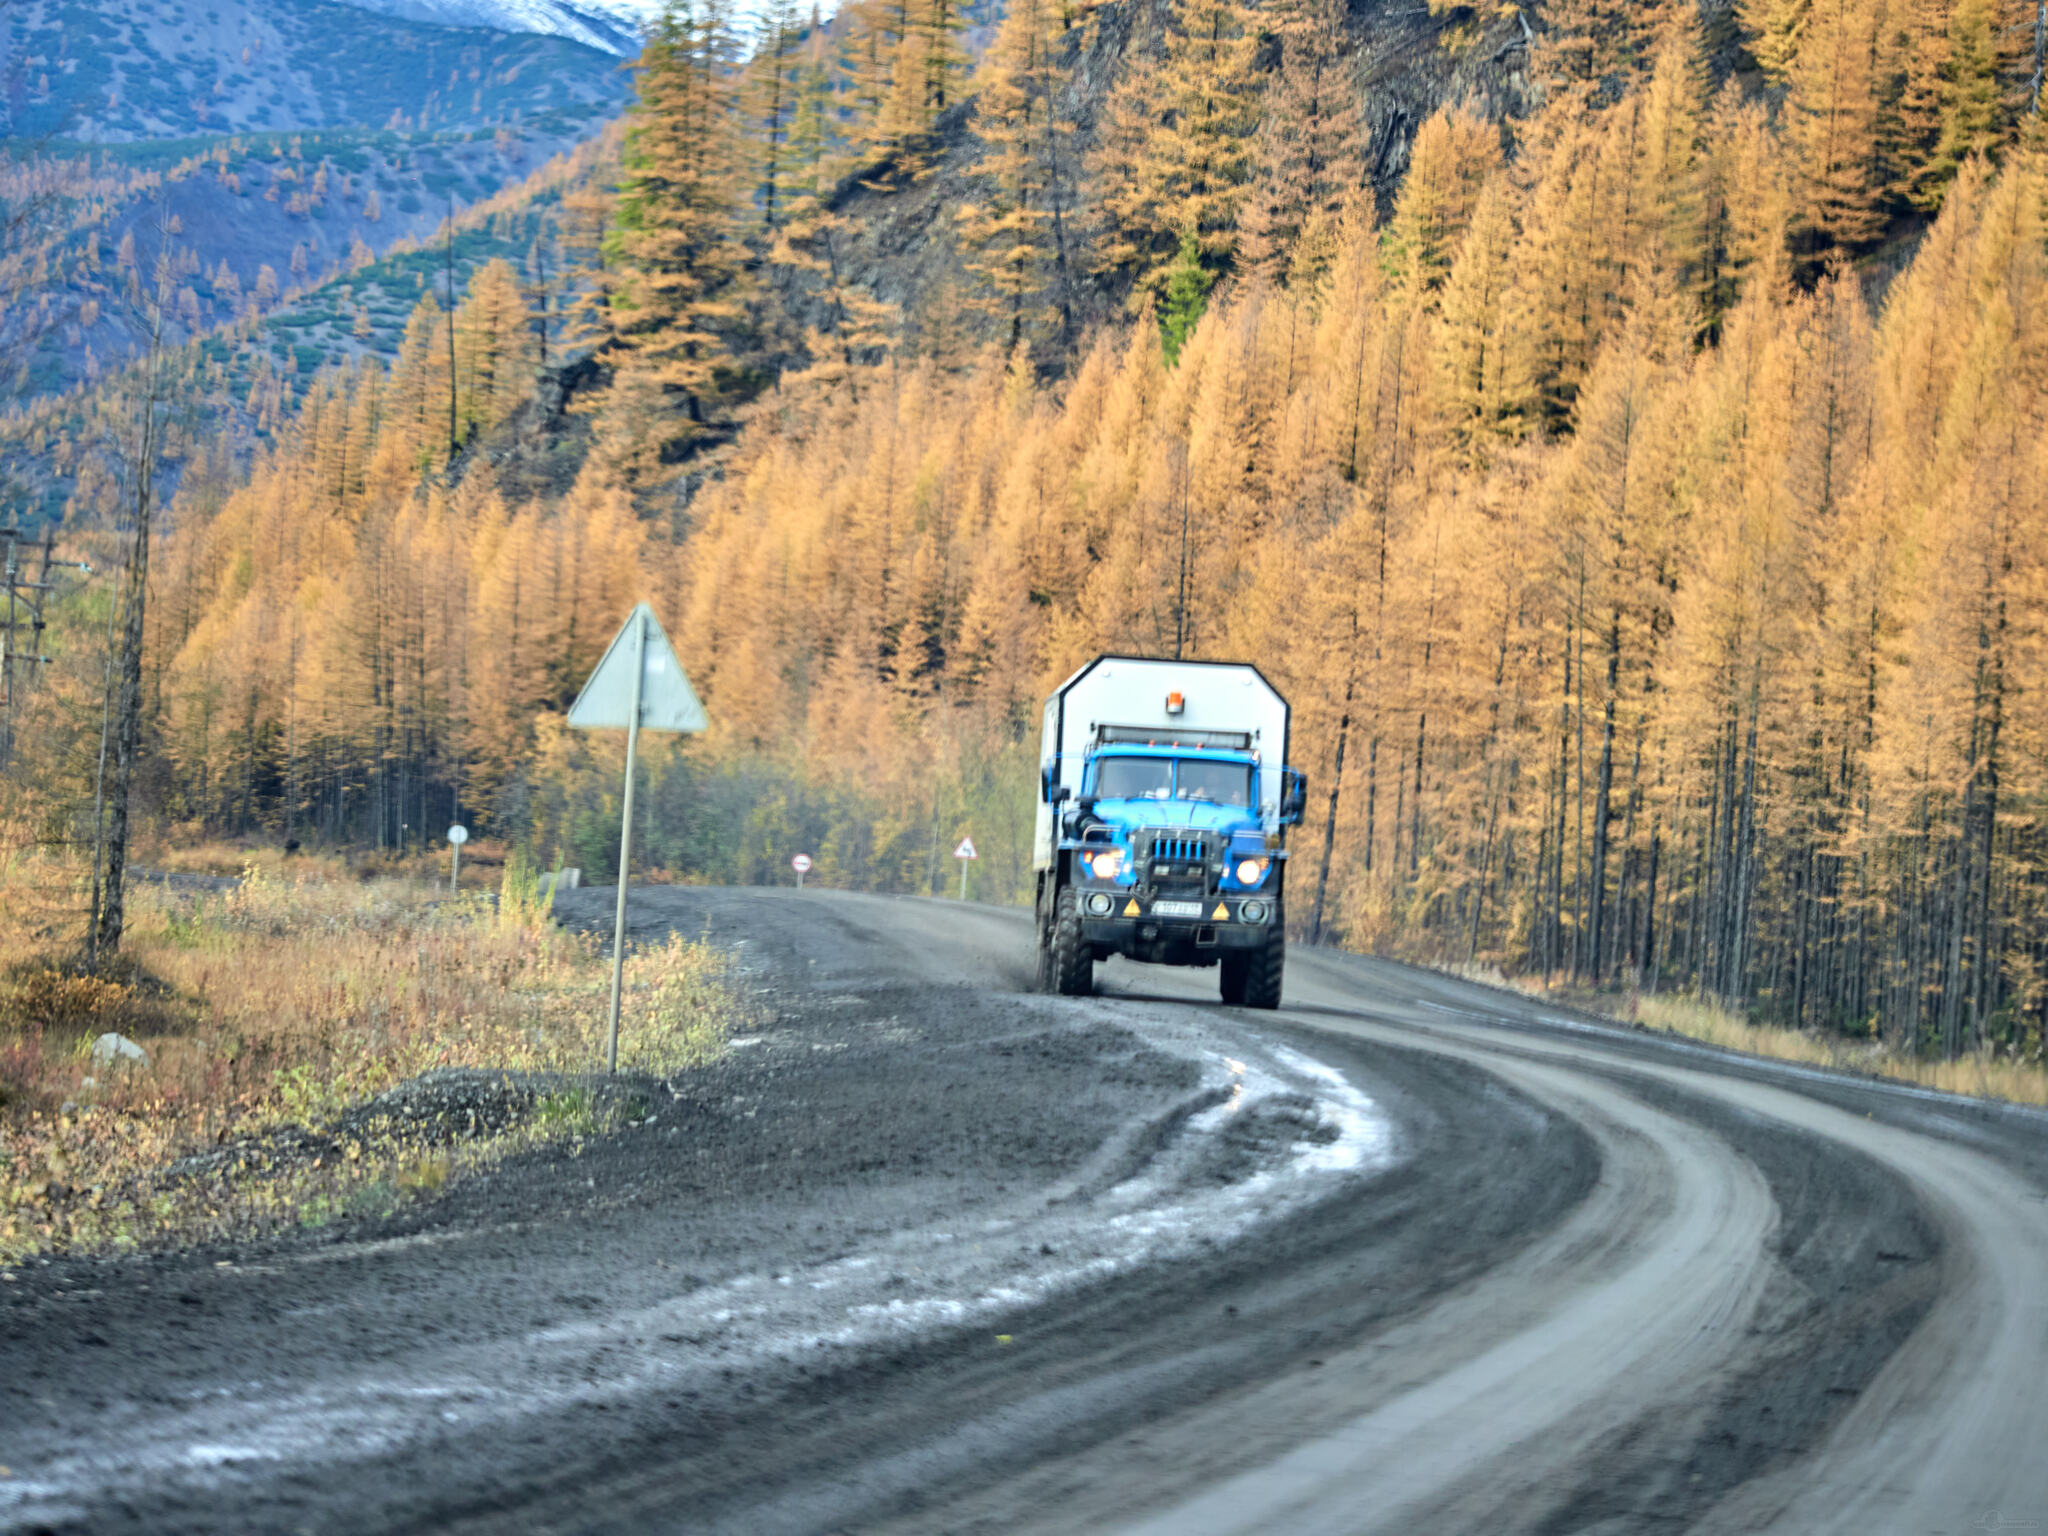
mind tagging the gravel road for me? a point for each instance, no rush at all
(929, 1252)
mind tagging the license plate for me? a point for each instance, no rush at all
(1176, 909)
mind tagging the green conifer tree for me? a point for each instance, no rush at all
(1188, 283)
(675, 240)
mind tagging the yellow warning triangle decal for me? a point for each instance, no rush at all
(1222, 913)
(1131, 907)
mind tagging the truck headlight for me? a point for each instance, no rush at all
(1252, 912)
(1252, 871)
(1099, 904)
(1106, 865)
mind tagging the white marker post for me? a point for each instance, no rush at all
(966, 855)
(802, 865)
(639, 682)
(457, 836)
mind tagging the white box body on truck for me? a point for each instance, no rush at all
(1164, 802)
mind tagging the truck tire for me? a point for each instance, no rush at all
(1069, 958)
(1251, 977)
(1042, 926)
(1233, 967)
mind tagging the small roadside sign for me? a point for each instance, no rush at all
(802, 865)
(965, 854)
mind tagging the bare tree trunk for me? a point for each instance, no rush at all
(1422, 715)
(127, 681)
(1556, 959)
(99, 788)
(1737, 990)
(1603, 801)
(111, 909)
(1315, 927)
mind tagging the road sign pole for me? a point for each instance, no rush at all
(658, 696)
(611, 1054)
(454, 869)
(963, 879)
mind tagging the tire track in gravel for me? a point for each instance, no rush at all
(1889, 1377)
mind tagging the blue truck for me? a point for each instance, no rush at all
(1164, 803)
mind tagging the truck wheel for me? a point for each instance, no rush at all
(1070, 959)
(1043, 925)
(1251, 977)
(1235, 964)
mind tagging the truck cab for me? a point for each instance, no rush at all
(1163, 824)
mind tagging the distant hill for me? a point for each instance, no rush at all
(250, 220)
(112, 71)
(246, 356)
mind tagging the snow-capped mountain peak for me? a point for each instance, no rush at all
(616, 26)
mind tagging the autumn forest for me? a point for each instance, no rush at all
(1637, 479)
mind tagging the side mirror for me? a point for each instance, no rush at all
(1293, 796)
(1073, 821)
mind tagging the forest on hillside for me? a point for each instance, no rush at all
(1644, 505)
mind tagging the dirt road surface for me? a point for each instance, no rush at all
(929, 1252)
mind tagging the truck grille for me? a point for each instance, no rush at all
(1179, 865)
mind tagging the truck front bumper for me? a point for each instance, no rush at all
(1177, 940)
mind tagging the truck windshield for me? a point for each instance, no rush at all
(1154, 778)
(1134, 778)
(1220, 783)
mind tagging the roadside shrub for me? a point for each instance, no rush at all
(273, 1009)
(520, 903)
(687, 1010)
(62, 1000)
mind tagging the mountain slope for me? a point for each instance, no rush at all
(249, 333)
(105, 71)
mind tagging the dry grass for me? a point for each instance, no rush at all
(482, 862)
(280, 1004)
(1982, 1077)
(231, 858)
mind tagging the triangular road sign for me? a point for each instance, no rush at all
(667, 701)
(966, 849)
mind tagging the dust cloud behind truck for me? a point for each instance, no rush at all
(1164, 800)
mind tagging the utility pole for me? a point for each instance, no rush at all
(448, 266)
(13, 538)
(25, 601)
